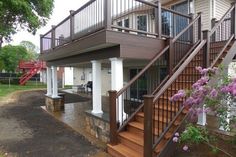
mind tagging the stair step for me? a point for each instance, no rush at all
(140, 127)
(121, 150)
(156, 118)
(131, 140)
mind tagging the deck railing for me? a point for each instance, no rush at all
(86, 20)
(222, 33)
(138, 17)
(130, 101)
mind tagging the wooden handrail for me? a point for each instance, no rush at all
(148, 3)
(176, 12)
(221, 20)
(185, 29)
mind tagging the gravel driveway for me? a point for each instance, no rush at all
(26, 130)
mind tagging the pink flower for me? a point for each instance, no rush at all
(204, 71)
(175, 139)
(177, 134)
(188, 102)
(214, 70)
(178, 96)
(213, 93)
(199, 68)
(185, 148)
(234, 92)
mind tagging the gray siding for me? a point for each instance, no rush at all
(222, 6)
(203, 6)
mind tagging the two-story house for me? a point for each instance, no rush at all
(137, 47)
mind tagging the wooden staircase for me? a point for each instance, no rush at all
(131, 141)
(167, 117)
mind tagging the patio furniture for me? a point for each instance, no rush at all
(89, 85)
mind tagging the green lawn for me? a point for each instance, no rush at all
(6, 89)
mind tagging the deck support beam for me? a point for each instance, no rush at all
(97, 94)
(117, 81)
(54, 82)
(49, 81)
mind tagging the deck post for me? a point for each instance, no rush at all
(41, 43)
(233, 20)
(171, 55)
(213, 23)
(192, 35)
(148, 125)
(72, 23)
(107, 14)
(199, 27)
(113, 122)
(206, 49)
(158, 19)
(53, 37)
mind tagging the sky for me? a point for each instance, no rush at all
(60, 12)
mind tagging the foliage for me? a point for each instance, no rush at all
(214, 92)
(11, 55)
(23, 14)
(6, 89)
(1, 65)
(31, 48)
(194, 134)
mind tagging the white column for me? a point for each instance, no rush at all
(202, 117)
(54, 82)
(49, 81)
(96, 78)
(117, 81)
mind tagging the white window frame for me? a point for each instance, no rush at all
(146, 18)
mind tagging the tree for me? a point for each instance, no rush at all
(1, 65)
(31, 49)
(23, 14)
(11, 55)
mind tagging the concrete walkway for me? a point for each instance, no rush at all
(27, 131)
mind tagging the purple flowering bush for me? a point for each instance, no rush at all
(216, 92)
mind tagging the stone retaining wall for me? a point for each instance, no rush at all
(97, 125)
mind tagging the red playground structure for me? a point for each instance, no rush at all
(30, 68)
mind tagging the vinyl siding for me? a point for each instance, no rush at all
(203, 6)
(222, 6)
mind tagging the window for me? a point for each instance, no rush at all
(142, 23)
(126, 24)
(120, 23)
(123, 23)
(138, 89)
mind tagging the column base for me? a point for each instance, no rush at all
(55, 104)
(97, 112)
